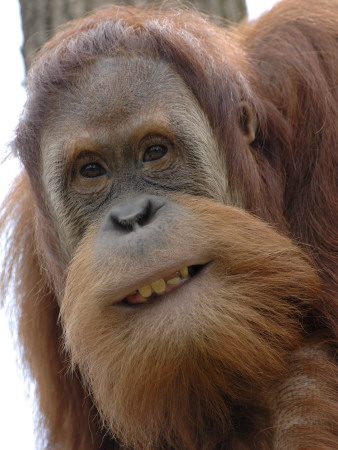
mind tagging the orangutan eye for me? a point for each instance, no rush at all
(154, 152)
(92, 170)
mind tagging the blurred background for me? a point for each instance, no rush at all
(26, 25)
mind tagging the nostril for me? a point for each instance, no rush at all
(144, 217)
(123, 225)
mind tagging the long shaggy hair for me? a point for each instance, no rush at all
(245, 359)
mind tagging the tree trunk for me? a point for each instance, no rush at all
(41, 17)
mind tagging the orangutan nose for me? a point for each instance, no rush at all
(135, 213)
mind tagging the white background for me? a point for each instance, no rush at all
(16, 394)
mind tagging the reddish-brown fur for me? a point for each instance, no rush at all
(250, 366)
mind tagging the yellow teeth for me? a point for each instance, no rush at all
(184, 272)
(146, 291)
(159, 286)
(176, 280)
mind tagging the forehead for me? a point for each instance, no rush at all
(112, 90)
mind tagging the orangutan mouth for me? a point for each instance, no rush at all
(163, 285)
